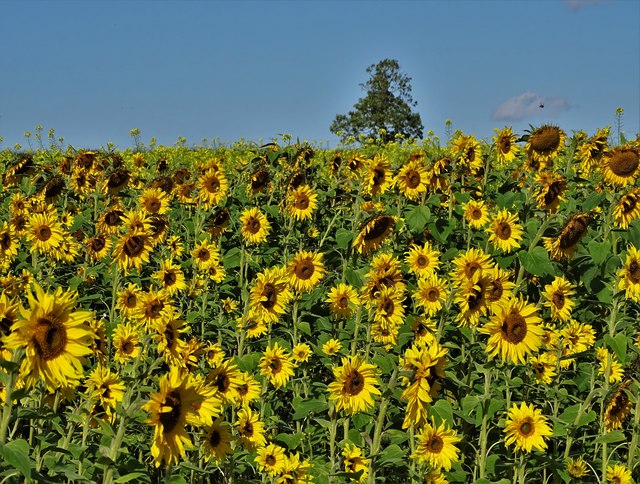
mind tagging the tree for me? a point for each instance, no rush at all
(387, 106)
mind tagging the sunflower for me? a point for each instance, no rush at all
(132, 250)
(544, 144)
(355, 385)
(576, 467)
(56, 339)
(270, 459)
(544, 367)
(514, 331)
(388, 309)
(136, 221)
(253, 326)
(212, 187)
(205, 254)
(251, 429)
(550, 191)
(105, 389)
(575, 338)
(468, 151)
(431, 293)
(301, 202)
(128, 300)
(630, 275)
(305, 271)
(331, 347)
(499, 288)
(214, 354)
(566, 243)
(619, 407)
(301, 353)
(590, 152)
(170, 277)
(343, 300)
(116, 181)
(526, 427)
(259, 181)
(422, 260)
(355, 462)
(437, 446)
(98, 247)
(126, 341)
(295, 471)
(255, 226)
(467, 263)
(609, 365)
(627, 209)
(8, 315)
(377, 177)
(154, 309)
(170, 346)
(270, 294)
(225, 378)
(44, 233)
(505, 145)
(373, 233)
(9, 243)
(248, 389)
(216, 441)
(154, 201)
(412, 179)
(621, 165)
(277, 365)
(170, 410)
(558, 298)
(110, 221)
(619, 474)
(505, 232)
(476, 213)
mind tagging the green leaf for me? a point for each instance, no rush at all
(16, 454)
(248, 362)
(417, 217)
(536, 261)
(291, 441)
(130, 477)
(611, 437)
(599, 251)
(302, 408)
(618, 344)
(442, 412)
(305, 327)
(344, 238)
(592, 201)
(392, 454)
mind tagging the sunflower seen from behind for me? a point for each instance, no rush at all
(55, 337)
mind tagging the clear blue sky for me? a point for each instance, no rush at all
(94, 70)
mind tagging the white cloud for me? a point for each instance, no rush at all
(529, 105)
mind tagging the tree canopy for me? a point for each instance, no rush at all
(387, 106)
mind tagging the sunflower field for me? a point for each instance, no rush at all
(416, 311)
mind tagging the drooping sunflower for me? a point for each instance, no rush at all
(355, 462)
(514, 331)
(355, 385)
(630, 275)
(56, 338)
(558, 299)
(627, 209)
(212, 187)
(218, 222)
(305, 270)
(126, 341)
(505, 146)
(437, 446)
(217, 441)
(343, 300)
(373, 234)
(544, 144)
(377, 177)
(277, 365)
(619, 474)
(550, 190)
(132, 250)
(619, 407)
(476, 213)
(9, 243)
(270, 294)
(422, 260)
(301, 202)
(255, 226)
(526, 427)
(566, 243)
(621, 165)
(505, 232)
(412, 179)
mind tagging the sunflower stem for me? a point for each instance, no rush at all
(333, 430)
(633, 454)
(113, 450)
(482, 457)
(8, 399)
(382, 412)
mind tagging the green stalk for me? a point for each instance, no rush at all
(482, 457)
(382, 413)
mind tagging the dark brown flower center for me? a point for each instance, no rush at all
(153, 309)
(113, 218)
(433, 294)
(413, 179)
(503, 230)
(505, 144)
(49, 338)
(624, 162)
(304, 269)
(222, 382)
(170, 419)
(379, 176)
(131, 300)
(343, 302)
(275, 364)
(573, 232)
(422, 261)
(169, 336)
(527, 428)
(43, 233)
(212, 184)
(634, 272)
(435, 444)
(378, 228)
(476, 214)
(301, 202)
(215, 438)
(545, 139)
(271, 294)
(127, 347)
(354, 383)
(134, 246)
(170, 278)
(514, 328)
(253, 225)
(558, 299)
(152, 204)
(98, 243)
(5, 241)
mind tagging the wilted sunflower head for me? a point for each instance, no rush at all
(545, 143)
(621, 165)
(373, 233)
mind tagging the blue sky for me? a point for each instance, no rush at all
(94, 70)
